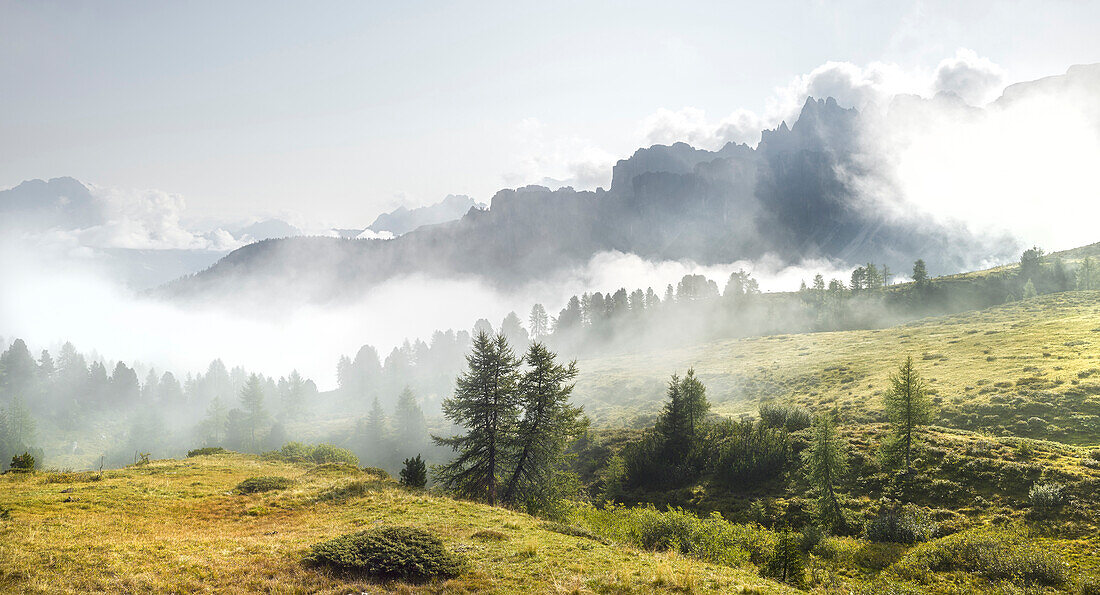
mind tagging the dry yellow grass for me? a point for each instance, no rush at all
(176, 526)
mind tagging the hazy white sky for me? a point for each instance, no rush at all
(340, 110)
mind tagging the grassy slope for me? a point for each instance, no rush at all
(990, 366)
(176, 526)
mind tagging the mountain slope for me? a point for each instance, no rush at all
(993, 370)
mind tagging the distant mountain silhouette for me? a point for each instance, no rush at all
(37, 205)
(785, 198)
(402, 220)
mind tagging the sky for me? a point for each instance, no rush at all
(343, 110)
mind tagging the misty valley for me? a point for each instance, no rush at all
(849, 343)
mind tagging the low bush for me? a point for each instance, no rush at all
(348, 491)
(389, 552)
(490, 535)
(994, 554)
(206, 450)
(900, 524)
(254, 485)
(789, 417)
(377, 471)
(1045, 498)
(319, 454)
(573, 531)
(712, 538)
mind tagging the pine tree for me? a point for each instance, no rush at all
(485, 405)
(376, 428)
(826, 461)
(907, 407)
(548, 424)
(252, 403)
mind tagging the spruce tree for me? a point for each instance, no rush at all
(680, 422)
(485, 405)
(414, 473)
(826, 461)
(409, 421)
(252, 404)
(540, 323)
(549, 422)
(920, 273)
(907, 407)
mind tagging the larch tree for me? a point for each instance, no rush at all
(485, 405)
(908, 408)
(548, 423)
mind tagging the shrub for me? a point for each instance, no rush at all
(896, 524)
(206, 450)
(995, 554)
(1046, 497)
(490, 535)
(254, 485)
(319, 454)
(378, 471)
(745, 451)
(787, 417)
(712, 538)
(389, 552)
(327, 453)
(22, 463)
(348, 491)
(573, 531)
(414, 474)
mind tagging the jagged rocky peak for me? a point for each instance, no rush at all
(821, 125)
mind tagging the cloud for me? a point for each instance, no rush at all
(690, 125)
(147, 220)
(975, 79)
(557, 161)
(968, 75)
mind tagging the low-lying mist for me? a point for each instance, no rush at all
(47, 300)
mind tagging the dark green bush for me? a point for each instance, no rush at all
(389, 552)
(206, 450)
(898, 524)
(741, 452)
(414, 474)
(254, 485)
